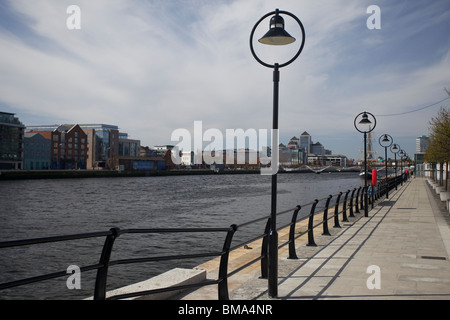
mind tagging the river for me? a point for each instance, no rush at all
(41, 208)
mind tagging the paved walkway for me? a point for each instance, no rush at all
(401, 251)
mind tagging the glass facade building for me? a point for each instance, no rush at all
(11, 141)
(305, 142)
(104, 143)
(422, 144)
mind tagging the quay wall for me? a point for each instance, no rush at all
(62, 174)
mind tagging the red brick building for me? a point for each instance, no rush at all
(69, 148)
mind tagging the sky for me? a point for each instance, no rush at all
(154, 66)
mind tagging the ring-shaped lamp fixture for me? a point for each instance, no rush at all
(365, 120)
(387, 139)
(395, 148)
(277, 36)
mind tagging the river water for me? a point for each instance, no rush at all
(41, 208)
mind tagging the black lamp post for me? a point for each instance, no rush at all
(402, 154)
(395, 148)
(367, 124)
(275, 36)
(386, 142)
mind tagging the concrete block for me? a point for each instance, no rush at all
(445, 195)
(439, 190)
(174, 277)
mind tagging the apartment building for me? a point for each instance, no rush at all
(37, 151)
(68, 145)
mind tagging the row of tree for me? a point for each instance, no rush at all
(438, 151)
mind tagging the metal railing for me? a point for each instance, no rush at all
(105, 262)
(350, 201)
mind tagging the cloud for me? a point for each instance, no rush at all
(151, 67)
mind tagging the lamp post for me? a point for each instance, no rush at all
(395, 148)
(386, 142)
(365, 123)
(401, 153)
(275, 36)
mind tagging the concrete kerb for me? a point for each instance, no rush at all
(171, 278)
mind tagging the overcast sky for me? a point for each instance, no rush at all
(153, 66)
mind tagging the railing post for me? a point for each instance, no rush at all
(326, 232)
(344, 211)
(336, 211)
(102, 273)
(292, 253)
(351, 203)
(356, 201)
(373, 197)
(223, 268)
(362, 202)
(310, 225)
(379, 190)
(382, 187)
(264, 248)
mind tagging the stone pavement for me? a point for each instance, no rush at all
(401, 251)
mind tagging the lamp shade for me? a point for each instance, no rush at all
(277, 35)
(365, 119)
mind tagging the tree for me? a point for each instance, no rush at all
(439, 144)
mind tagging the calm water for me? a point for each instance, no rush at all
(40, 208)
